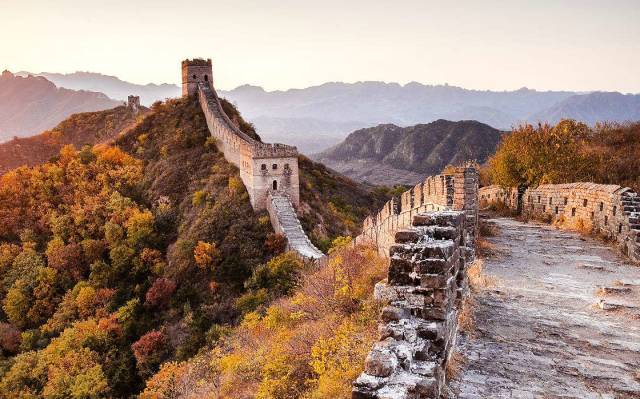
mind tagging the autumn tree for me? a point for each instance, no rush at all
(531, 156)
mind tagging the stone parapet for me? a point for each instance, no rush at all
(456, 190)
(423, 292)
(610, 210)
(267, 150)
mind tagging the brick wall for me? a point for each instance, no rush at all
(610, 210)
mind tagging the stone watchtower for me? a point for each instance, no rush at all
(195, 71)
(133, 102)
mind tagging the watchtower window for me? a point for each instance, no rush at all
(194, 76)
(286, 166)
(263, 166)
(274, 166)
(275, 184)
(206, 78)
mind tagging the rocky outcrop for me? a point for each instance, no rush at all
(423, 292)
(607, 209)
(285, 222)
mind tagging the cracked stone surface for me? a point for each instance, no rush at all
(546, 328)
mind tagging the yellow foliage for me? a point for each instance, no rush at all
(235, 185)
(205, 254)
(309, 345)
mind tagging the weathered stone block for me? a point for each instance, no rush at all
(432, 266)
(392, 313)
(437, 249)
(406, 236)
(433, 280)
(380, 362)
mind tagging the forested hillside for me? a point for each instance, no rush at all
(117, 259)
(87, 128)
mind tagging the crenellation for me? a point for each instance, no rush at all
(423, 294)
(606, 209)
(436, 193)
(254, 159)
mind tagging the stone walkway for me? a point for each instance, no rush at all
(543, 329)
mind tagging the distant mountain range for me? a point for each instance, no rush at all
(333, 107)
(318, 117)
(593, 107)
(110, 85)
(389, 154)
(29, 105)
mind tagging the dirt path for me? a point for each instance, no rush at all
(540, 330)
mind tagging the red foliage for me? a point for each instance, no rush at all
(160, 292)
(68, 259)
(111, 325)
(9, 338)
(276, 243)
(150, 348)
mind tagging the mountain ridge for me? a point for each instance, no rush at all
(388, 154)
(316, 117)
(30, 105)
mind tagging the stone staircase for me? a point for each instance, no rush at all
(285, 221)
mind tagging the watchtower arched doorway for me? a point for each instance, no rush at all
(275, 184)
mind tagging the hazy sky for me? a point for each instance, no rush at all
(489, 44)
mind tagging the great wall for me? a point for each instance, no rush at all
(269, 171)
(429, 235)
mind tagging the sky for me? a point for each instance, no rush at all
(494, 45)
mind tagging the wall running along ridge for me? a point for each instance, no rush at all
(606, 209)
(268, 171)
(424, 290)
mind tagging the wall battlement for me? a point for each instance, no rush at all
(607, 209)
(453, 191)
(423, 294)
